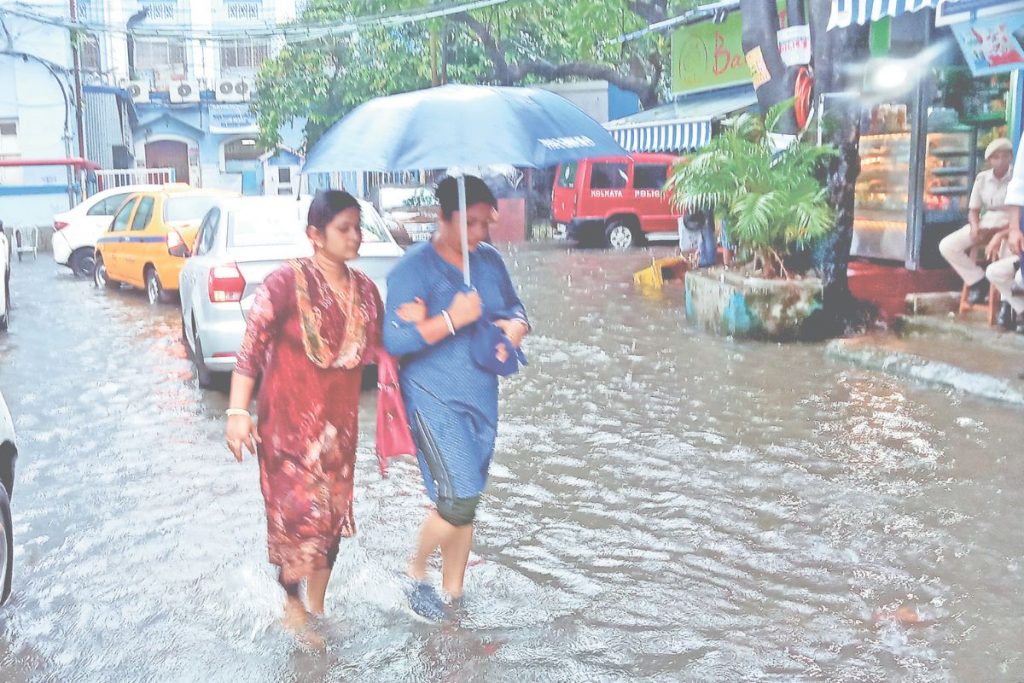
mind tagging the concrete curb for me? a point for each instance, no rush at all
(955, 328)
(935, 373)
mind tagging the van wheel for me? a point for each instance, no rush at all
(99, 275)
(155, 291)
(83, 262)
(6, 546)
(620, 235)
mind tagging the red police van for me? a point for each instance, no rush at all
(617, 201)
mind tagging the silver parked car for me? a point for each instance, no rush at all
(241, 241)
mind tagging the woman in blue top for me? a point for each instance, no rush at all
(451, 401)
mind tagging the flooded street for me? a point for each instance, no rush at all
(665, 505)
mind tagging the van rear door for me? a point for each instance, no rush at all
(563, 195)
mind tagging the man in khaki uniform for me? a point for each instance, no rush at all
(987, 217)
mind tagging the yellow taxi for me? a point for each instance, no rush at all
(150, 237)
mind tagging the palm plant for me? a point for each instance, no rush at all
(772, 201)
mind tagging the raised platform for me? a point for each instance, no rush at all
(887, 285)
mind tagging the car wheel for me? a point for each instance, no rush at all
(83, 262)
(203, 374)
(6, 546)
(620, 236)
(99, 275)
(155, 291)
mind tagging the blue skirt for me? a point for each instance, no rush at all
(454, 444)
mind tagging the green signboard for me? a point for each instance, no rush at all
(709, 55)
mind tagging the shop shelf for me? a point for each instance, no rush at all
(947, 171)
(949, 191)
(878, 215)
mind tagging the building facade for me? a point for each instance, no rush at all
(37, 120)
(190, 66)
(164, 84)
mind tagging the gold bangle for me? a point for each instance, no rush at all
(237, 412)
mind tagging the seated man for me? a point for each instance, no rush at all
(1009, 246)
(986, 218)
(1003, 265)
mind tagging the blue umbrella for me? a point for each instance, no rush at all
(461, 125)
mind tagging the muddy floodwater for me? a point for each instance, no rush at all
(664, 505)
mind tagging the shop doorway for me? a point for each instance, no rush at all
(169, 154)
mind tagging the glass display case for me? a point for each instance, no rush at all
(948, 176)
(882, 193)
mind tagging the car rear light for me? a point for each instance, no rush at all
(226, 284)
(59, 225)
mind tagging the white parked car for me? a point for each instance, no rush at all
(240, 242)
(5, 280)
(8, 454)
(75, 232)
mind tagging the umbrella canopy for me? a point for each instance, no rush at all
(461, 125)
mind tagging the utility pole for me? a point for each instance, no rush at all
(79, 96)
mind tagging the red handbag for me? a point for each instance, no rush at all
(394, 438)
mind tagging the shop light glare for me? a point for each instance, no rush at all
(891, 76)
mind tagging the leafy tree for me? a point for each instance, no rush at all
(518, 42)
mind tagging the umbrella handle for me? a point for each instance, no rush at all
(464, 228)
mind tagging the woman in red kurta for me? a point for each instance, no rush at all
(313, 325)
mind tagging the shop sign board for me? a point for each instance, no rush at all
(958, 11)
(795, 45)
(709, 55)
(993, 45)
(232, 119)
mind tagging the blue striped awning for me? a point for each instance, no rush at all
(847, 12)
(670, 136)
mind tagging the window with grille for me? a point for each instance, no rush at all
(89, 53)
(87, 11)
(9, 149)
(240, 9)
(161, 11)
(247, 55)
(159, 54)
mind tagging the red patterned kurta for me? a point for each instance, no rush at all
(310, 355)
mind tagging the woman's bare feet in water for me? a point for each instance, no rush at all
(297, 622)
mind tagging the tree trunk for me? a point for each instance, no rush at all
(760, 32)
(832, 52)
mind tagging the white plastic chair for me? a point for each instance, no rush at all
(26, 240)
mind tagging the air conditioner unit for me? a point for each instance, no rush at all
(237, 90)
(185, 91)
(138, 89)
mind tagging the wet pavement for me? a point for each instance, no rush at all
(665, 505)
